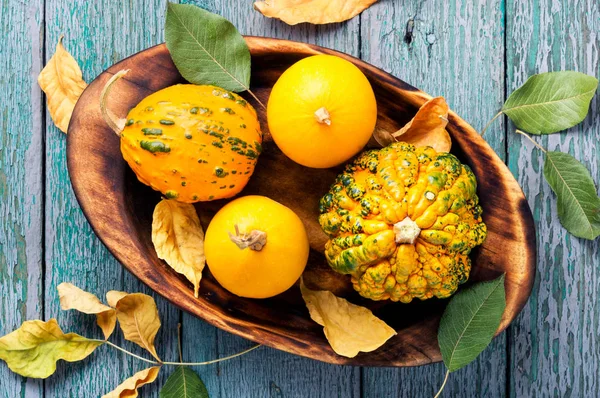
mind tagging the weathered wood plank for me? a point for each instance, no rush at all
(98, 34)
(453, 49)
(267, 372)
(21, 181)
(554, 348)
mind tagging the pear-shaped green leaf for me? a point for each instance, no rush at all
(184, 383)
(33, 349)
(206, 48)
(551, 102)
(470, 321)
(577, 199)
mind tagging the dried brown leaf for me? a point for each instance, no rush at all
(73, 298)
(113, 297)
(129, 388)
(294, 12)
(62, 81)
(349, 328)
(428, 127)
(179, 240)
(138, 317)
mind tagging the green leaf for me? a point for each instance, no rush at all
(184, 383)
(33, 349)
(207, 48)
(551, 102)
(470, 321)
(578, 201)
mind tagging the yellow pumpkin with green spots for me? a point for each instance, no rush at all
(192, 143)
(402, 221)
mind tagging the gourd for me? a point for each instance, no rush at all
(256, 247)
(322, 111)
(402, 222)
(192, 143)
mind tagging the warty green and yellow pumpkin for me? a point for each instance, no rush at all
(402, 221)
(192, 143)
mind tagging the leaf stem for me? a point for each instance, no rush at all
(443, 385)
(214, 360)
(179, 341)
(180, 363)
(256, 98)
(490, 122)
(131, 353)
(541, 148)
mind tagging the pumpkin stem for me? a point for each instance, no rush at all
(406, 231)
(117, 125)
(322, 115)
(255, 240)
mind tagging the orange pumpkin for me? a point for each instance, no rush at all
(192, 143)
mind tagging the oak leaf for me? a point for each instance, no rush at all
(428, 127)
(129, 388)
(62, 81)
(33, 349)
(294, 12)
(139, 320)
(73, 298)
(349, 328)
(179, 240)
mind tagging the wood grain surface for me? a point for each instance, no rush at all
(555, 348)
(552, 350)
(21, 179)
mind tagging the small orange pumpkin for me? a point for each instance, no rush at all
(192, 143)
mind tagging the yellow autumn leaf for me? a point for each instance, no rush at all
(349, 328)
(179, 240)
(73, 298)
(128, 389)
(294, 12)
(428, 127)
(113, 297)
(33, 349)
(62, 81)
(138, 317)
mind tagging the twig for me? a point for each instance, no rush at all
(179, 363)
(214, 360)
(131, 353)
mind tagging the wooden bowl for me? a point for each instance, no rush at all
(119, 208)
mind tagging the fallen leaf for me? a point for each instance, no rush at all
(62, 81)
(383, 137)
(138, 317)
(179, 240)
(113, 297)
(129, 388)
(349, 328)
(73, 298)
(33, 349)
(294, 12)
(428, 127)
(184, 383)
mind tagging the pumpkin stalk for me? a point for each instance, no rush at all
(117, 125)
(406, 231)
(255, 240)
(322, 115)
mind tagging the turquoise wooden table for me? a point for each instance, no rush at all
(473, 52)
